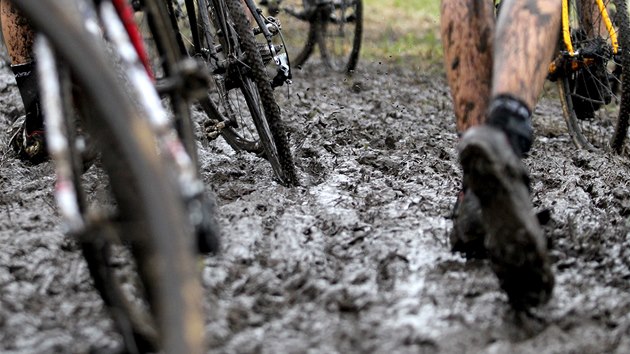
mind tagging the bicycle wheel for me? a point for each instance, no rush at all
(256, 88)
(621, 130)
(339, 27)
(593, 94)
(149, 212)
(240, 106)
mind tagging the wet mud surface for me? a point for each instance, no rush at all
(356, 259)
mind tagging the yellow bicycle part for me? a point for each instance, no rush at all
(566, 31)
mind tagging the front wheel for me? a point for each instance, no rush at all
(339, 27)
(146, 209)
(621, 130)
(255, 86)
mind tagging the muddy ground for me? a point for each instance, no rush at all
(356, 260)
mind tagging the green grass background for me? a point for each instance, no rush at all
(402, 32)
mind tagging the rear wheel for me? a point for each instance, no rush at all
(623, 25)
(591, 82)
(336, 27)
(299, 18)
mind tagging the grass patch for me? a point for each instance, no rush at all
(402, 32)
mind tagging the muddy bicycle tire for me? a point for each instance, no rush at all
(621, 130)
(270, 127)
(595, 98)
(242, 101)
(149, 207)
(195, 25)
(311, 38)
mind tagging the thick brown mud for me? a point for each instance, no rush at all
(356, 259)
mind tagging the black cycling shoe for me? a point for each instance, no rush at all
(468, 234)
(29, 146)
(514, 241)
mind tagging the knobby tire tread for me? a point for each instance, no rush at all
(260, 78)
(621, 129)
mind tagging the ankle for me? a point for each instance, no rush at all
(26, 79)
(513, 117)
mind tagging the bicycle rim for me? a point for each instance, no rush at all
(339, 30)
(225, 101)
(125, 140)
(245, 114)
(591, 88)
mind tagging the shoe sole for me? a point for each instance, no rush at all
(468, 234)
(515, 241)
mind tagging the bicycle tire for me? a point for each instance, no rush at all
(270, 127)
(340, 47)
(593, 109)
(621, 130)
(246, 129)
(198, 44)
(141, 188)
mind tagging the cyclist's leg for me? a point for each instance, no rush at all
(18, 38)
(525, 41)
(467, 30)
(17, 33)
(490, 155)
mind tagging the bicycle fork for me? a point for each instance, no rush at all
(191, 187)
(564, 61)
(270, 27)
(66, 192)
(566, 30)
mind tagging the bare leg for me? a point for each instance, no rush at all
(18, 35)
(27, 139)
(526, 35)
(467, 30)
(522, 53)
